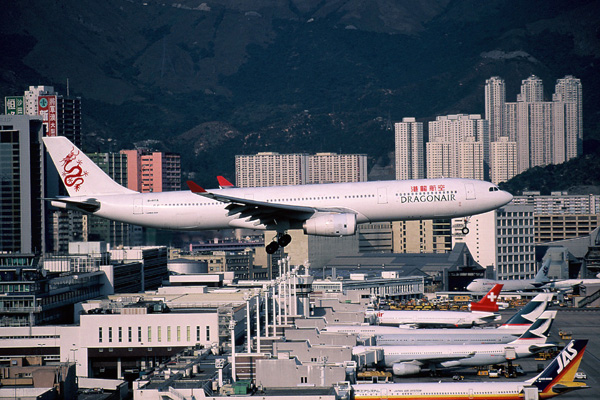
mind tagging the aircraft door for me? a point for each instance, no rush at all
(382, 195)
(138, 207)
(470, 393)
(470, 191)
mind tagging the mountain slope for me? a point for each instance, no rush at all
(296, 76)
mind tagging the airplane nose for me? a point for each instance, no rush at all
(507, 197)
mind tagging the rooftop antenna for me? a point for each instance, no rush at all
(67, 87)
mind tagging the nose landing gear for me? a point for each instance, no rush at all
(281, 240)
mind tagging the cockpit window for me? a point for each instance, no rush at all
(493, 189)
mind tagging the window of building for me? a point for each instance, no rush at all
(159, 334)
(110, 334)
(129, 334)
(100, 334)
(120, 334)
(208, 333)
(139, 334)
(149, 334)
(197, 333)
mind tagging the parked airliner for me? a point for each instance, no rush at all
(557, 378)
(515, 325)
(411, 359)
(423, 337)
(513, 285)
(434, 319)
(322, 209)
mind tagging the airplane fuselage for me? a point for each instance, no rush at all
(444, 336)
(452, 319)
(483, 285)
(370, 201)
(454, 355)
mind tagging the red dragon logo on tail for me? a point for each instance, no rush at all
(73, 174)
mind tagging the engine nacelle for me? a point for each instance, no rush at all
(405, 369)
(331, 224)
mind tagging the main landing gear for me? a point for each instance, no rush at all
(282, 240)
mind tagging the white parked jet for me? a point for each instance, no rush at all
(423, 337)
(513, 285)
(555, 379)
(434, 319)
(515, 325)
(409, 360)
(326, 210)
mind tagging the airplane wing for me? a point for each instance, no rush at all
(262, 212)
(441, 359)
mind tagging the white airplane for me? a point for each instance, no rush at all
(513, 285)
(412, 337)
(411, 359)
(515, 325)
(557, 378)
(326, 209)
(434, 319)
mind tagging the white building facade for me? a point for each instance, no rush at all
(446, 134)
(337, 168)
(503, 160)
(409, 146)
(504, 240)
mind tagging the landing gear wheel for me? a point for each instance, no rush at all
(284, 240)
(272, 247)
(465, 231)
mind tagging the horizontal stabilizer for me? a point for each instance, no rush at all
(86, 205)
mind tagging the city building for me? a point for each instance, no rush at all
(561, 216)
(568, 92)
(458, 147)
(336, 168)
(502, 241)
(409, 149)
(495, 99)
(452, 271)
(422, 236)
(546, 132)
(503, 160)
(32, 295)
(22, 208)
(153, 171)
(271, 169)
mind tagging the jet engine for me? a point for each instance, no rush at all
(331, 224)
(400, 369)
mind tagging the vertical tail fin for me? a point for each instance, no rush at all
(224, 183)
(559, 374)
(542, 275)
(79, 174)
(539, 331)
(528, 314)
(488, 302)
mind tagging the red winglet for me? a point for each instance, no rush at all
(194, 187)
(224, 183)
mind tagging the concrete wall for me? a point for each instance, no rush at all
(306, 353)
(291, 373)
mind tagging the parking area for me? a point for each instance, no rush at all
(583, 324)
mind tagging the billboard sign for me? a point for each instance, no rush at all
(47, 109)
(14, 105)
